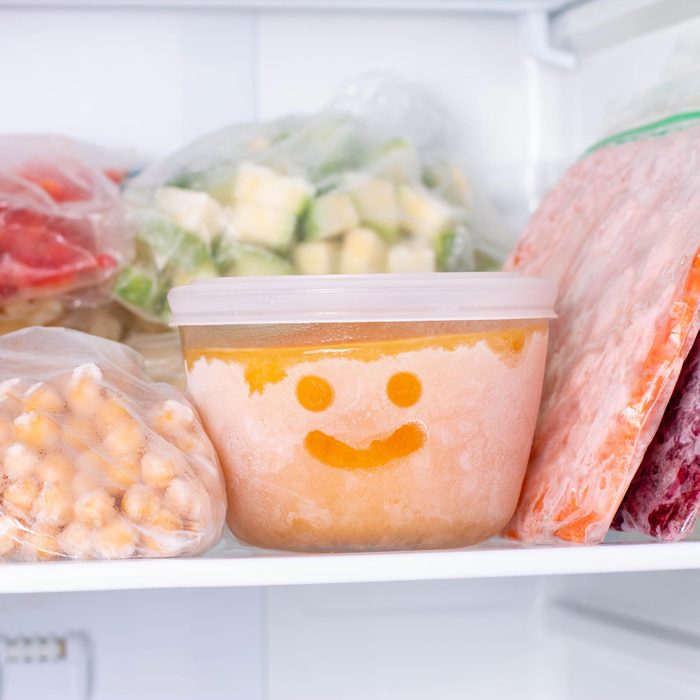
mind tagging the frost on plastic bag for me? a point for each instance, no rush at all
(627, 261)
(664, 496)
(62, 226)
(366, 185)
(97, 461)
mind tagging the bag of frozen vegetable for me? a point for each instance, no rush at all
(96, 460)
(364, 186)
(62, 225)
(617, 434)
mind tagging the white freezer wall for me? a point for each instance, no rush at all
(607, 637)
(152, 80)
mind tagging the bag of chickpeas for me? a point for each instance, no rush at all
(96, 460)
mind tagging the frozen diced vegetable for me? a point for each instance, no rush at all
(377, 204)
(194, 211)
(362, 251)
(411, 257)
(317, 257)
(330, 215)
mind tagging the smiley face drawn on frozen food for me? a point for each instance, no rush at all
(403, 389)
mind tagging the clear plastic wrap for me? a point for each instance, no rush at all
(97, 461)
(62, 224)
(366, 185)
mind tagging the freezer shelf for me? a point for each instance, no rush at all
(257, 568)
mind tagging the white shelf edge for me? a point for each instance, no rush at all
(277, 570)
(489, 6)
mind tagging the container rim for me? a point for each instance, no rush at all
(433, 296)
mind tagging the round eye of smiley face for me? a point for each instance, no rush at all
(404, 389)
(314, 393)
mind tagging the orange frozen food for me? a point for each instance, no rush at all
(367, 434)
(620, 234)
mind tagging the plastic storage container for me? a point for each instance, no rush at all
(368, 412)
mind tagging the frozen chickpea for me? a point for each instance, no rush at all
(150, 546)
(54, 505)
(37, 430)
(43, 397)
(110, 413)
(20, 495)
(181, 497)
(8, 535)
(158, 469)
(121, 472)
(84, 393)
(89, 460)
(115, 540)
(95, 507)
(80, 433)
(55, 466)
(76, 541)
(140, 503)
(173, 417)
(20, 460)
(166, 520)
(85, 481)
(39, 546)
(125, 437)
(6, 432)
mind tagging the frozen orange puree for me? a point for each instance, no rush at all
(404, 443)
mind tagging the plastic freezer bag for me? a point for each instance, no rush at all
(97, 461)
(62, 225)
(664, 496)
(620, 234)
(366, 185)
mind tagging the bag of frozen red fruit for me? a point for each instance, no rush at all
(62, 226)
(96, 460)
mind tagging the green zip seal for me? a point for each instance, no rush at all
(662, 127)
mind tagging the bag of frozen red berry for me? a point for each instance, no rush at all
(62, 226)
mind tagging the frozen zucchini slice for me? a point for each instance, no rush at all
(263, 186)
(411, 257)
(422, 213)
(194, 211)
(316, 257)
(455, 251)
(251, 261)
(362, 251)
(264, 226)
(330, 215)
(377, 204)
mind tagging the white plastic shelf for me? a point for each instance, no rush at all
(255, 568)
(488, 6)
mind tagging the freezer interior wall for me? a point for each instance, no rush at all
(549, 638)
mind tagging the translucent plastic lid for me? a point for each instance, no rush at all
(443, 296)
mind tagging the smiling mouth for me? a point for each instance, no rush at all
(336, 453)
